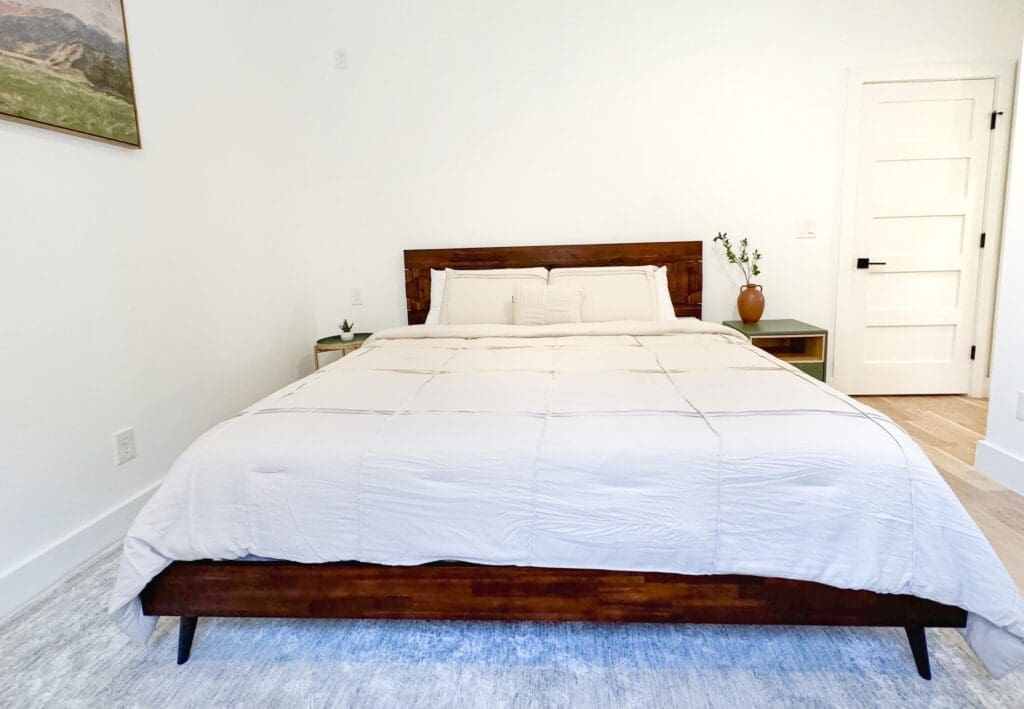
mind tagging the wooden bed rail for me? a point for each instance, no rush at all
(457, 591)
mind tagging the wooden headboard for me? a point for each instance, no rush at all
(683, 259)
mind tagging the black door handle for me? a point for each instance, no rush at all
(865, 262)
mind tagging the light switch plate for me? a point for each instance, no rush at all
(806, 229)
(357, 296)
(1020, 405)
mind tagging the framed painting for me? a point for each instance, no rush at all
(64, 64)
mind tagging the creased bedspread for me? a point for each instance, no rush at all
(673, 447)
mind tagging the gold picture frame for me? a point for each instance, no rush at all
(66, 65)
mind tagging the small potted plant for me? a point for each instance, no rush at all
(346, 331)
(750, 301)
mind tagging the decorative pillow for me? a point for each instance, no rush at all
(612, 292)
(484, 296)
(666, 311)
(546, 305)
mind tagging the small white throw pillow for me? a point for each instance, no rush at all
(484, 297)
(546, 305)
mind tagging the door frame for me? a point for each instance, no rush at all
(1004, 74)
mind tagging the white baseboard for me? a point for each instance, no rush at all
(1001, 465)
(27, 581)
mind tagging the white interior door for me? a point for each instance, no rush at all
(907, 319)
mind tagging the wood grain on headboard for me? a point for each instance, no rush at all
(683, 259)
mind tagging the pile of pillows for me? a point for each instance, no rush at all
(537, 296)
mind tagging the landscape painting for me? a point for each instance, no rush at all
(65, 64)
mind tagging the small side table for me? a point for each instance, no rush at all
(802, 345)
(334, 344)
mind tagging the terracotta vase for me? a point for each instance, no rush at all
(750, 303)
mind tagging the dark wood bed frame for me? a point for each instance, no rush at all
(459, 591)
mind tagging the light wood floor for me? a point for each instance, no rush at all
(948, 428)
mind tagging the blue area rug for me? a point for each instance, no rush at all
(64, 651)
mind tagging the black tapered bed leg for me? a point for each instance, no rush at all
(919, 647)
(187, 631)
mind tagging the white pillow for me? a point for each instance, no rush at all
(666, 311)
(484, 296)
(546, 305)
(613, 292)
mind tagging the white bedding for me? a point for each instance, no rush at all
(653, 446)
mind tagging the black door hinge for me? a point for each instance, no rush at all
(974, 351)
(982, 239)
(992, 124)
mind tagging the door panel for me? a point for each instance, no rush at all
(938, 238)
(923, 120)
(915, 290)
(921, 181)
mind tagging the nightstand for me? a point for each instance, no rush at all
(334, 344)
(802, 345)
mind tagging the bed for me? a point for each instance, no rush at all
(614, 472)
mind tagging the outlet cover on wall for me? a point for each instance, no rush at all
(341, 59)
(357, 296)
(124, 445)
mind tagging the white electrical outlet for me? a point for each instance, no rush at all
(341, 59)
(124, 445)
(357, 296)
(1020, 405)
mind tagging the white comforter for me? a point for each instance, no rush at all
(672, 447)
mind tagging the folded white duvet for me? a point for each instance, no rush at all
(674, 447)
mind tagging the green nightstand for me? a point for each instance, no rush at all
(334, 344)
(802, 345)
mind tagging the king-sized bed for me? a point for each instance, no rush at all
(631, 470)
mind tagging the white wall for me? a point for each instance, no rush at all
(161, 288)
(1001, 454)
(481, 123)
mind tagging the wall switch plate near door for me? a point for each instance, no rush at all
(1020, 405)
(124, 445)
(806, 229)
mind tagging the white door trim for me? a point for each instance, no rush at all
(1004, 74)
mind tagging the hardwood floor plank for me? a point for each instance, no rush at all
(950, 436)
(958, 411)
(979, 403)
